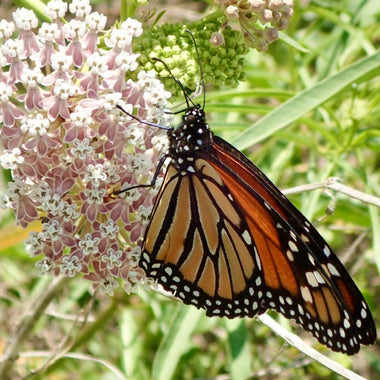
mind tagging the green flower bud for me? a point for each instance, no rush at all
(222, 65)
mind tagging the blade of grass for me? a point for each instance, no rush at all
(293, 43)
(132, 344)
(251, 93)
(375, 221)
(307, 100)
(240, 355)
(176, 342)
(374, 214)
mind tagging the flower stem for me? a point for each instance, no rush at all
(30, 317)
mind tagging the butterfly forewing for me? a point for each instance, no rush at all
(202, 250)
(222, 237)
(353, 308)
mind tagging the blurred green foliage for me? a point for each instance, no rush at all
(333, 131)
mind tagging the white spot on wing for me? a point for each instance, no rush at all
(293, 246)
(332, 269)
(257, 257)
(311, 279)
(306, 295)
(146, 257)
(319, 277)
(290, 255)
(247, 237)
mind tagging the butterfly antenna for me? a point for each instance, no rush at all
(187, 97)
(200, 67)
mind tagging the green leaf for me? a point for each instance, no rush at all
(307, 100)
(176, 342)
(292, 42)
(240, 356)
(131, 342)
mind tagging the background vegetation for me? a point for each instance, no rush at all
(305, 113)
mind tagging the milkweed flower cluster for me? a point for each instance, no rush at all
(259, 20)
(68, 147)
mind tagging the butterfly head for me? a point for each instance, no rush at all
(193, 134)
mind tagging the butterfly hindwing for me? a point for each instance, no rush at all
(222, 237)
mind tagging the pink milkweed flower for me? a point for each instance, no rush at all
(70, 149)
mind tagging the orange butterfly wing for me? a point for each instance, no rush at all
(333, 308)
(222, 237)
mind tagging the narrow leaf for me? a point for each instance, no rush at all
(305, 101)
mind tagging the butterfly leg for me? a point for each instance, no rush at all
(152, 183)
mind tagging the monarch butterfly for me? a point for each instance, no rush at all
(222, 237)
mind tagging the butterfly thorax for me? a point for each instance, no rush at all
(190, 136)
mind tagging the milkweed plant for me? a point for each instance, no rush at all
(70, 149)
(70, 79)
